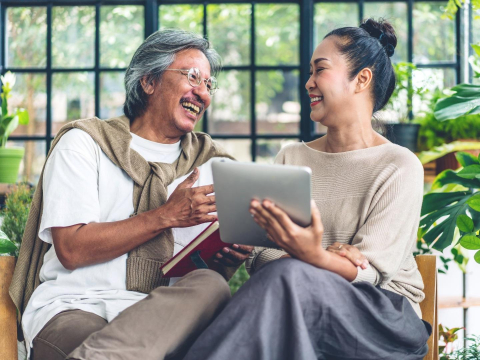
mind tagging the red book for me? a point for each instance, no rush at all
(199, 253)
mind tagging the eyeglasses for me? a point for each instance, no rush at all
(195, 79)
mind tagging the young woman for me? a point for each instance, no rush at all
(346, 287)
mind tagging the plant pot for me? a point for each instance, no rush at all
(403, 134)
(10, 159)
(8, 312)
(449, 161)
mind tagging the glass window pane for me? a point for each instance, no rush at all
(329, 16)
(30, 93)
(72, 98)
(26, 37)
(112, 94)
(277, 107)
(267, 150)
(431, 80)
(240, 149)
(228, 28)
(434, 37)
(33, 160)
(185, 17)
(229, 112)
(121, 33)
(73, 36)
(277, 31)
(396, 14)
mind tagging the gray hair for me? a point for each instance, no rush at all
(153, 57)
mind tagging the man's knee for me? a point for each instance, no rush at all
(211, 284)
(64, 332)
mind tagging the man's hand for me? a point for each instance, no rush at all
(350, 252)
(189, 206)
(233, 256)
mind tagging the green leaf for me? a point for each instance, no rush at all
(442, 234)
(6, 246)
(12, 125)
(474, 202)
(469, 172)
(451, 177)
(23, 117)
(466, 159)
(476, 219)
(435, 201)
(476, 48)
(477, 256)
(470, 241)
(439, 151)
(464, 223)
(466, 101)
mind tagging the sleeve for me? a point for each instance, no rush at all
(70, 184)
(389, 234)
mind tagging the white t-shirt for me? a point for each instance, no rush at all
(82, 185)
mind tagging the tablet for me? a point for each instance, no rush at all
(236, 184)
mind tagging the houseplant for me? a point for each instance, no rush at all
(398, 111)
(451, 211)
(13, 220)
(10, 158)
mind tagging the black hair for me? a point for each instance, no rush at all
(370, 46)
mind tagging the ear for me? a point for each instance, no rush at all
(148, 87)
(364, 78)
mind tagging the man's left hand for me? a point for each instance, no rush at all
(234, 255)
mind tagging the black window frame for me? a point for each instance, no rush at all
(151, 24)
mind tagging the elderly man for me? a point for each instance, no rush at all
(116, 200)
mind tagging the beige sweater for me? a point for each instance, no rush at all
(370, 198)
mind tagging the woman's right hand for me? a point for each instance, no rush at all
(350, 252)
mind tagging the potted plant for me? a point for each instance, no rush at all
(13, 220)
(10, 158)
(397, 116)
(451, 211)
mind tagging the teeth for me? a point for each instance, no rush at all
(319, 98)
(191, 107)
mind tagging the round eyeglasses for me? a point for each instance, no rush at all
(195, 79)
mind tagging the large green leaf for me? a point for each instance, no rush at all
(476, 219)
(465, 159)
(442, 150)
(443, 232)
(477, 256)
(435, 201)
(464, 223)
(451, 177)
(469, 172)
(6, 246)
(12, 125)
(466, 101)
(474, 202)
(470, 241)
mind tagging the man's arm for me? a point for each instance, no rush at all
(87, 244)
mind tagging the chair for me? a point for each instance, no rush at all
(427, 267)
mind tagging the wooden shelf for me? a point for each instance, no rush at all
(457, 302)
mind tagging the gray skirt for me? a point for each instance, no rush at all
(291, 310)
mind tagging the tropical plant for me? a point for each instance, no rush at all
(15, 215)
(9, 121)
(448, 336)
(471, 352)
(237, 280)
(456, 208)
(453, 6)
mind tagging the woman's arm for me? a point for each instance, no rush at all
(301, 243)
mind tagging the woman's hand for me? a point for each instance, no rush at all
(302, 243)
(350, 252)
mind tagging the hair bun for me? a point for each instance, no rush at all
(384, 32)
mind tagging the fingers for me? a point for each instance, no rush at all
(350, 252)
(206, 189)
(316, 218)
(231, 257)
(246, 249)
(190, 180)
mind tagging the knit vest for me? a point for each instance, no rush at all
(150, 191)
